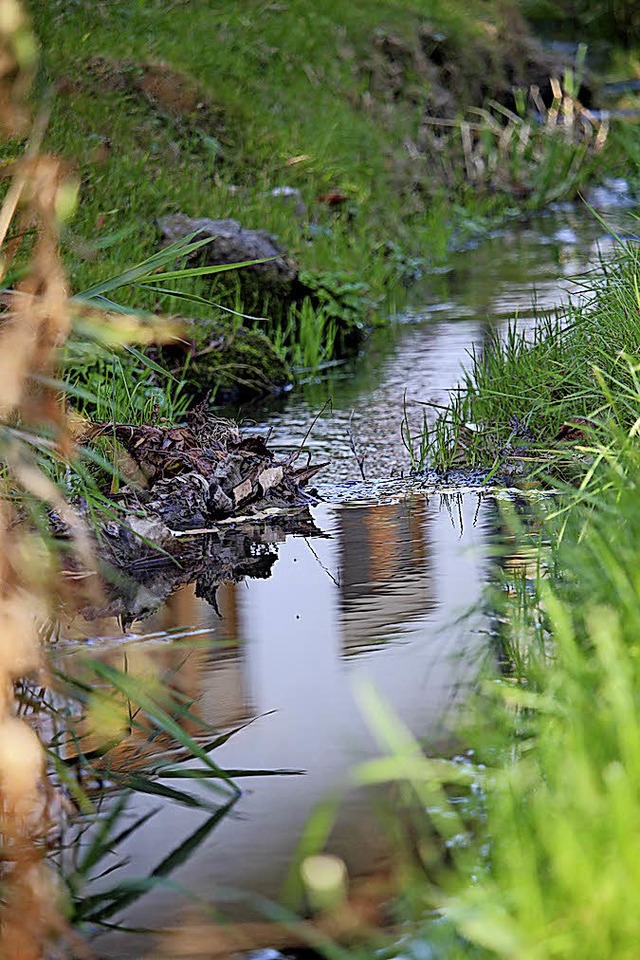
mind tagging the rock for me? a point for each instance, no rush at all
(233, 243)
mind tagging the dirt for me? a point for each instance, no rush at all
(433, 71)
(170, 93)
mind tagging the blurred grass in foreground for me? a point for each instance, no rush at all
(547, 868)
(66, 742)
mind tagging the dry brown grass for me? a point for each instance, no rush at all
(35, 320)
(34, 324)
(543, 150)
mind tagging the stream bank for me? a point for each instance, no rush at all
(343, 134)
(395, 573)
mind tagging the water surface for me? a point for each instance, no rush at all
(379, 600)
(386, 591)
(526, 270)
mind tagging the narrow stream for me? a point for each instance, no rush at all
(523, 271)
(387, 592)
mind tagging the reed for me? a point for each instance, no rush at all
(35, 322)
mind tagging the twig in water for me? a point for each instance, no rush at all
(360, 457)
(324, 567)
(326, 405)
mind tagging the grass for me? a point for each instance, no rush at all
(531, 401)
(528, 848)
(209, 109)
(160, 161)
(118, 733)
(561, 809)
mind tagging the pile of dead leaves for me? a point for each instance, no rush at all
(194, 476)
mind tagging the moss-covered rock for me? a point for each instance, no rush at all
(228, 360)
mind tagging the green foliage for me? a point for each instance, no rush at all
(284, 95)
(123, 720)
(609, 20)
(314, 341)
(342, 299)
(117, 388)
(561, 809)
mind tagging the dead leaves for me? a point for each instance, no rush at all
(270, 477)
(242, 492)
(205, 471)
(574, 430)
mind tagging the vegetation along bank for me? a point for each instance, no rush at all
(362, 140)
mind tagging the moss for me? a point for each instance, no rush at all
(231, 362)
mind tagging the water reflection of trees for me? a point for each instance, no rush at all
(383, 578)
(386, 570)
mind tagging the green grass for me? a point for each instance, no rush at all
(254, 64)
(206, 108)
(272, 95)
(561, 810)
(529, 849)
(523, 388)
(114, 735)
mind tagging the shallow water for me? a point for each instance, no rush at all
(526, 270)
(388, 591)
(376, 600)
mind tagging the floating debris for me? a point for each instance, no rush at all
(205, 503)
(206, 471)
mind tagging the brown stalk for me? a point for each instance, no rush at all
(32, 329)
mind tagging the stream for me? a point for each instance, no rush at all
(387, 592)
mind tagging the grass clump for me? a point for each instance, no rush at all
(532, 400)
(118, 733)
(562, 822)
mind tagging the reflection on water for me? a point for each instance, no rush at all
(525, 271)
(379, 599)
